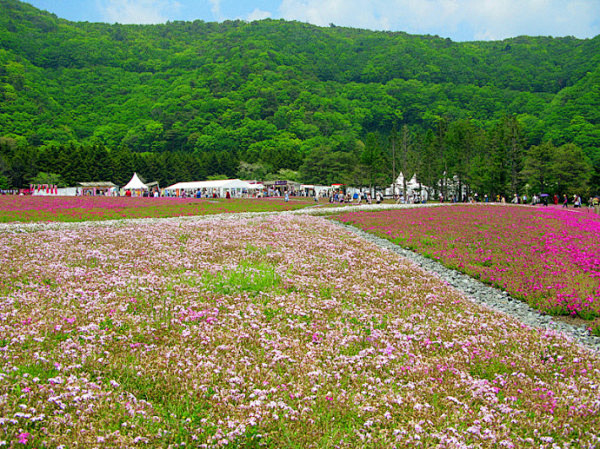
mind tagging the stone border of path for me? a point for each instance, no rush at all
(476, 291)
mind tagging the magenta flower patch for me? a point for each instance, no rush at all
(548, 257)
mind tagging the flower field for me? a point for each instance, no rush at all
(278, 331)
(548, 257)
(94, 208)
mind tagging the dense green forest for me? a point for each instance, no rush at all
(277, 99)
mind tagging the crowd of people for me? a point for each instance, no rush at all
(365, 197)
(354, 196)
(357, 197)
(537, 199)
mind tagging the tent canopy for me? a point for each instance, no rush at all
(219, 184)
(135, 184)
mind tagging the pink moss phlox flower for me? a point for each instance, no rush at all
(23, 437)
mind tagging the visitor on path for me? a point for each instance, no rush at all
(565, 201)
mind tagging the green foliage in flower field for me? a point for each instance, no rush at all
(246, 277)
(274, 331)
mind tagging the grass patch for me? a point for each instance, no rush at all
(248, 276)
(488, 369)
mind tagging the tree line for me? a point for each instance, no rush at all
(453, 156)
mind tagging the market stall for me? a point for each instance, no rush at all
(212, 189)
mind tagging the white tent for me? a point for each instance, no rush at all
(135, 184)
(414, 189)
(234, 186)
(412, 185)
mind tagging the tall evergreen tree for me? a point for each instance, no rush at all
(374, 165)
(571, 170)
(537, 167)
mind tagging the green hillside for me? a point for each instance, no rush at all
(239, 98)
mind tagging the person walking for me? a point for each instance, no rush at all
(565, 201)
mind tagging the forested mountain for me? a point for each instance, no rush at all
(186, 100)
